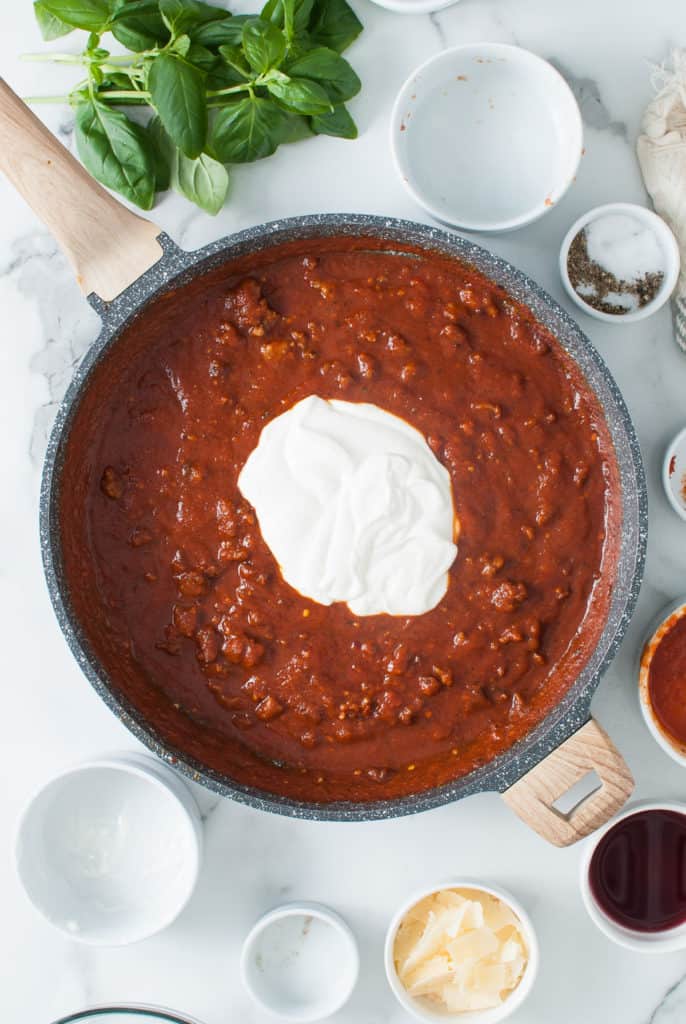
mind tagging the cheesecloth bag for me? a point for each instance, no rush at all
(662, 156)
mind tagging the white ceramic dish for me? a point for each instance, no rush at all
(419, 1008)
(674, 473)
(130, 1014)
(109, 851)
(486, 136)
(656, 630)
(414, 6)
(641, 942)
(666, 240)
(300, 962)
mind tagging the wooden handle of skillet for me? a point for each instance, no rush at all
(532, 798)
(108, 246)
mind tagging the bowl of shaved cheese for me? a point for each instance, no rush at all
(462, 950)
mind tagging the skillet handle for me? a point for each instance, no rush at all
(589, 749)
(107, 245)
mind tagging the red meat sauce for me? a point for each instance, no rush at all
(181, 599)
(667, 681)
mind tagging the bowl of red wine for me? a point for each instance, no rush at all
(633, 878)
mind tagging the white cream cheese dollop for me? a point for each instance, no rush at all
(354, 506)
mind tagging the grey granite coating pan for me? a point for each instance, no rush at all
(177, 267)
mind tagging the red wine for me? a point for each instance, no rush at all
(637, 872)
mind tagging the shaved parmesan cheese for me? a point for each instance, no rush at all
(460, 950)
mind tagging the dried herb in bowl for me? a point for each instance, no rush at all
(222, 89)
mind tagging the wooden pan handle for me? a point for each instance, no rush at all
(532, 798)
(108, 246)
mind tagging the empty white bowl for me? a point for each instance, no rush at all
(300, 962)
(109, 851)
(414, 6)
(486, 136)
(419, 1008)
(666, 241)
(659, 626)
(130, 1014)
(674, 473)
(641, 942)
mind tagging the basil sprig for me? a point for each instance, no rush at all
(222, 89)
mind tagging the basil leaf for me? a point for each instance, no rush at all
(138, 25)
(162, 149)
(334, 24)
(177, 92)
(328, 67)
(181, 45)
(293, 128)
(233, 57)
(91, 15)
(263, 44)
(115, 151)
(227, 32)
(181, 15)
(246, 130)
(299, 94)
(50, 26)
(300, 12)
(204, 181)
(337, 122)
(201, 57)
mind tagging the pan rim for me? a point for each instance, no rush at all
(178, 266)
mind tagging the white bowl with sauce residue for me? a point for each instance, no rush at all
(674, 473)
(486, 136)
(109, 851)
(300, 962)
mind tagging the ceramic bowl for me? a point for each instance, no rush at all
(666, 240)
(414, 6)
(486, 136)
(300, 962)
(641, 942)
(109, 851)
(674, 473)
(419, 1008)
(129, 1014)
(660, 625)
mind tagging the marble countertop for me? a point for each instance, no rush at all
(51, 717)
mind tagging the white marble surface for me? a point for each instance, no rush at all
(51, 717)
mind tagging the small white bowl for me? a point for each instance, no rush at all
(660, 625)
(674, 473)
(300, 962)
(420, 1009)
(486, 136)
(415, 6)
(641, 942)
(109, 851)
(666, 240)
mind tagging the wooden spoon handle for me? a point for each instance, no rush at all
(107, 245)
(533, 797)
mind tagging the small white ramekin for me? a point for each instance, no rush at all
(486, 136)
(415, 6)
(420, 1009)
(109, 851)
(273, 965)
(641, 942)
(674, 473)
(666, 240)
(660, 625)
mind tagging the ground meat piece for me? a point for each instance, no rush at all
(507, 596)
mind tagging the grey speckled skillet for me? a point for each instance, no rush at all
(117, 256)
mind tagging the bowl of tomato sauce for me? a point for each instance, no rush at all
(662, 679)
